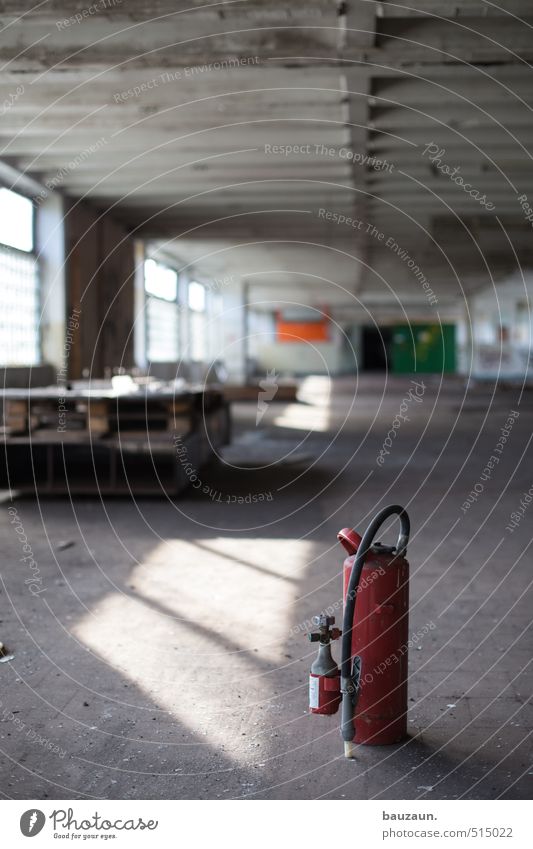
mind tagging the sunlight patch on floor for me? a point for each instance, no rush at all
(200, 622)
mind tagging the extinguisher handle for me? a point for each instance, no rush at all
(403, 536)
(376, 523)
(351, 540)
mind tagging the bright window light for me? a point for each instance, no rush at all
(16, 220)
(160, 280)
(196, 297)
(162, 332)
(19, 309)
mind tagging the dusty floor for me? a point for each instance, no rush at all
(165, 656)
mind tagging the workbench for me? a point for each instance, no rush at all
(90, 441)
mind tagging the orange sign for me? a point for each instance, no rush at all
(302, 331)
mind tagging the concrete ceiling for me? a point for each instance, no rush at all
(178, 116)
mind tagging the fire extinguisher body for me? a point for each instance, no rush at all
(324, 689)
(324, 680)
(380, 637)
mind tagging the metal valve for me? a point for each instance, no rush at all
(325, 633)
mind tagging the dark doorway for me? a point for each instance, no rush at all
(376, 343)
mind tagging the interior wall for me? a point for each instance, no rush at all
(502, 328)
(301, 358)
(101, 284)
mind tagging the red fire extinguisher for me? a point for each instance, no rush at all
(372, 685)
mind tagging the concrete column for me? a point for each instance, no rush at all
(50, 244)
(233, 332)
(246, 328)
(139, 307)
(465, 337)
(183, 322)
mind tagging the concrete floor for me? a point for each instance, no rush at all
(164, 657)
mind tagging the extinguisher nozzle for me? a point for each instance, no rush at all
(349, 751)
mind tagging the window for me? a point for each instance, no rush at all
(162, 312)
(16, 221)
(160, 280)
(197, 322)
(19, 283)
(196, 296)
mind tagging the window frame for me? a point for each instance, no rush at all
(33, 255)
(175, 301)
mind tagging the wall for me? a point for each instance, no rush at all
(101, 283)
(303, 358)
(502, 329)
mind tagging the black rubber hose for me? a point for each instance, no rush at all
(347, 725)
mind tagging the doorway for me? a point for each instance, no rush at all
(375, 345)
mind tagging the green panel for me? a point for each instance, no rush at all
(423, 348)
